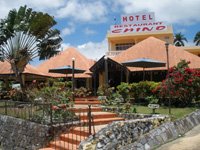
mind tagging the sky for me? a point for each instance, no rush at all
(85, 23)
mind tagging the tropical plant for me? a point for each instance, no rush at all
(105, 90)
(26, 34)
(197, 39)
(82, 92)
(124, 89)
(182, 84)
(179, 39)
(57, 96)
(144, 89)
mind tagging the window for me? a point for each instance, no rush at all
(123, 46)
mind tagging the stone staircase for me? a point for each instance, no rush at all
(71, 139)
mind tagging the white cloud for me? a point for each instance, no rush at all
(183, 12)
(181, 30)
(93, 50)
(189, 43)
(68, 30)
(88, 31)
(65, 46)
(83, 11)
(45, 4)
(172, 11)
(39, 5)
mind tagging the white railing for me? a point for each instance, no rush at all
(112, 53)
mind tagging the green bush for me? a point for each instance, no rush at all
(82, 92)
(140, 91)
(16, 95)
(58, 95)
(105, 90)
(124, 90)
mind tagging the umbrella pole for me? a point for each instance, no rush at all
(73, 65)
(66, 77)
(143, 74)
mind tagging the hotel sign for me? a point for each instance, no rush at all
(138, 18)
(140, 22)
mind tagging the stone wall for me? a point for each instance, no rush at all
(165, 133)
(121, 133)
(129, 116)
(21, 134)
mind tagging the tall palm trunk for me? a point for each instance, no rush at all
(18, 75)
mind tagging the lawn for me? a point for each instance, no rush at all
(175, 112)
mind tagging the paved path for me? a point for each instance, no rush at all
(191, 141)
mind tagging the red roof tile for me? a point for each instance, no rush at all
(5, 68)
(154, 48)
(65, 58)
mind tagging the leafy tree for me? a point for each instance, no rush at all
(179, 39)
(182, 84)
(197, 39)
(26, 34)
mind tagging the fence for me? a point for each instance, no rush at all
(69, 126)
(35, 112)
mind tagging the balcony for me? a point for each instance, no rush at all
(112, 53)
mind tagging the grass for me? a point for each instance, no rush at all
(175, 112)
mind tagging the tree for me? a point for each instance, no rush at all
(26, 34)
(182, 84)
(179, 39)
(197, 39)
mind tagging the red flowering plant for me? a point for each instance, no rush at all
(57, 97)
(182, 84)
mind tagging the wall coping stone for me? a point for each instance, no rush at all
(169, 131)
(121, 133)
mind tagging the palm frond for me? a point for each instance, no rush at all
(26, 34)
(197, 39)
(179, 39)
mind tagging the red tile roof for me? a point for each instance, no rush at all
(154, 48)
(5, 68)
(65, 58)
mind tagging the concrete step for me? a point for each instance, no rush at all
(97, 115)
(86, 102)
(72, 138)
(62, 145)
(48, 148)
(102, 121)
(81, 109)
(84, 131)
(86, 98)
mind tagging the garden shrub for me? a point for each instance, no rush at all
(58, 96)
(115, 99)
(16, 95)
(82, 92)
(182, 84)
(105, 90)
(124, 90)
(140, 91)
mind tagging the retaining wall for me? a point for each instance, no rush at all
(165, 133)
(120, 133)
(140, 134)
(20, 134)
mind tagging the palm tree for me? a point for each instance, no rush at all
(179, 39)
(25, 35)
(197, 39)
